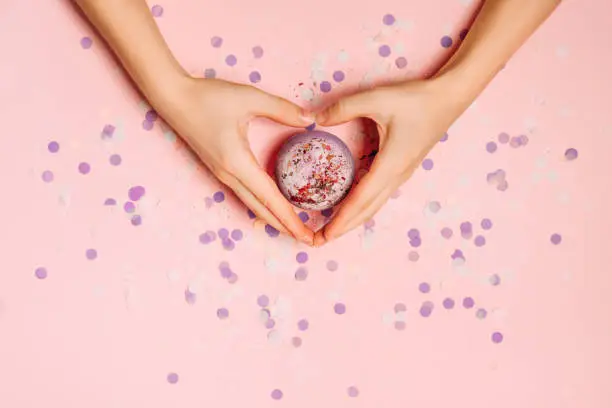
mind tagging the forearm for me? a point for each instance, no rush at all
(130, 31)
(499, 30)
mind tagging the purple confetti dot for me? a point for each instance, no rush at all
(40, 273)
(231, 60)
(399, 307)
(331, 265)
(271, 231)
(151, 115)
(115, 160)
(495, 279)
(190, 297)
(468, 302)
(257, 51)
(225, 270)
(172, 378)
(414, 233)
(303, 325)
(311, 127)
(479, 241)
(524, 140)
(84, 168)
(427, 164)
(413, 256)
(571, 154)
(86, 43)
(339, 308)
(463, 33)
(466, 227)
(296, 341)
(303, 216)
(388, 19)
(222, 313)
(237, 235)
(555, 239)
(223, 233)
(491, 147)
(254, 77)
(216, 41)
(486, 224)
(228, 244)
(251, 214)
(157, 10)
(53, 147)
(270, 323)
(233, 278)
(399, 325)
(515, 142)
(327, 213)
(424, 287)
(481, 314)
(276, 394)
(446, 233)
(426, 309)
(210, 73)
(135, 193)
(107, 131)
(446, 41)
(47, 176)
(325, 86)
(352, 392)
(91, 254)
(444, 138)
(301, 257)
(263, 301)
(301, 274)
(448, 303)
(147, 125)
(129, 207)
(384, 50)
(503, 138)
(497, 337)
(415, 242)
(110, 201)
(207, 237)
(338, 76)
(219, 197)
(401, 62)
(457, 254)
(136, 220)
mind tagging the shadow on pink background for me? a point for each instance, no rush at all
(106, 308)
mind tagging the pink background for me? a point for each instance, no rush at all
(108, 332)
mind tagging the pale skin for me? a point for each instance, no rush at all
(212, 115)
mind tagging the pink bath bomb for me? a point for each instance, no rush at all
(314, 170)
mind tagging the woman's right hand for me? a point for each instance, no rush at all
(212, 116)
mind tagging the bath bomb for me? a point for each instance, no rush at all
(314, 170)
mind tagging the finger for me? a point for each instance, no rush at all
(360, 105)
(261, 185)
(278, 109)
(257, 207)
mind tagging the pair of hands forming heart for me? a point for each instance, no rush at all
(212, 116)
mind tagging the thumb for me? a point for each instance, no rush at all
(278, 109)
(360, 105)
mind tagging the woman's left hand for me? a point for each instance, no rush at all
(411, 118)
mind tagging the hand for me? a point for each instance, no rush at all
(410, 119)
(212, 116)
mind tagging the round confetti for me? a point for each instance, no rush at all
(263, 301)
(340, 308)
(251, 214)
(388, 19)
(40, 273)
(222, 313)
(426, 309)
(223, 233)
(468, 302)
(427, 164)
(399, 325)
(270, 323)
(434, 206)
(86, 43)
(53, 147)
(448, 303)
(331, 265)
(555, 239)
(296, 341)
(228, 244)
(338, 76)
(479, 241)
(503, 138)
(172, 378)
(129, 207)
(424, 287)
(231, 60)
(515, 142)
(115, 160)
(399, 307)
(237, 235)
(303, 216)
(254, 77)
(210, 73)
(413, 256)
(271, 231)
(571, 154)
(257, 51)
(301, 274)
(494, 279)
(84, 168)
(413, 233)
(497, 337)
(446, 232)
(327, 213)
(276, 394)
(47, 176)
(190, 297)
(303, 325)
(401, 62)
(136, 193)
(157, 10)
(91, 254)
(216, 42)
(147, 125)
(524, 140)
(110, 201)
(151, 115)
(325, 86)
(481, 314)
(491, 147)
(301, 257)
(444, 138)
(415, 242)
(486, 224)
(384, 51)
(446, 41)
(352, 392)
(207, 237)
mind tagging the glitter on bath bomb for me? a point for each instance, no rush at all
(315, 170)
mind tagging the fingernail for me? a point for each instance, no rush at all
(322, 117)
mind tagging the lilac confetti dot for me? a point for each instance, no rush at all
(257, 51)
(424, 287)
(415, 242)
(446, 41)
(276, 394)
(296, 341)
(339, 308)
(503, 138)
(151, 115)
(223, 233)
(325, 86)
(225, 270)
(434, 206)
(263, 301)
(115, 160)
(147, 125)
(107, 131)
(135, 193)
(271, 231)
(401, 62)
(479, 241)
(497, 337)
(414, 233)
(413, 256)
(216, 41)
(524, 140)
(555, 239)
(136, 220)
(301, 257)
(457, 254)
(571, 154)
(446, 232)
(47, 176)
(463, 33)
(84, 168)
(427, 164)
(40, 273)
(491, 147)
(301, 274)
(254, 77)
(303, 216)
(270, 323)
(110, 201)
(251, 214)
(331, 265)
(426, 309)
(444, 138)
(237, 235)
(327, 213)
(228, 244)
(399, 307)
(129, 207)
(399, 325)
(448, 303)
(210, 73)
(222, 313)
(481, 314)
(338, 76)
(303, 325)
(231, 60)
(233, 278)
(207, 237)
(384, 50)
(352, 392)
(157, 10)
(466, 227)
(219, 197)
(515, 142)
(311, 127)
(495, 279)
(388, 19)
(468, 302)
(172, 378)
(86, 43)
(53, 147)
(503, 185)
(190, 297)
(486, 224)
(91, 254)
